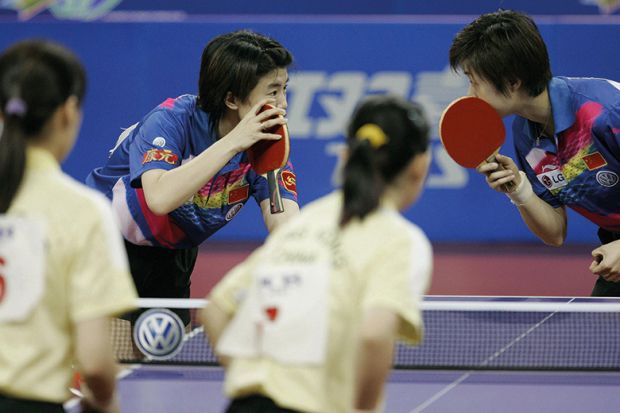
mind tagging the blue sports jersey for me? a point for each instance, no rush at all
(170, 135)
(580, 166)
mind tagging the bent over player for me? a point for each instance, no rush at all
(566, 134)
(181, 173)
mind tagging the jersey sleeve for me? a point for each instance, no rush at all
(99, 279)
(287, 182)
(398, 278)
(158, 144)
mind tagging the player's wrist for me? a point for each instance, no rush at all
(523, 192)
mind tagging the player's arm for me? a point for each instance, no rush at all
(273, 221)
(96, 364)
(546, 222)
(375, 348)
(214, 319)
(166, 190)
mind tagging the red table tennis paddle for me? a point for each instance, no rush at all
(472, 132)
(267, 157)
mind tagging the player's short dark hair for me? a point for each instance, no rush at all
(503, 47)
(235, 62)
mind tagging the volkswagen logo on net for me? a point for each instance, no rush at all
(158, 333)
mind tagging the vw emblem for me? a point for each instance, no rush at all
(607, 178)
(158, 333)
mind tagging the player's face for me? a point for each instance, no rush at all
(420, 165)
(71, 127)
(272, 86)
(483, 89)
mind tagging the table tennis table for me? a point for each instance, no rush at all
(512, 366)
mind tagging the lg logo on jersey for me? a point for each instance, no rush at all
(553, 179)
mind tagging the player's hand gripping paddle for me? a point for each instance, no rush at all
(267, 157)
(472, 132)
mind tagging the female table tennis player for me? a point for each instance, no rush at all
(565, 133)
(307, 323)
(181, 174)
(63, 269)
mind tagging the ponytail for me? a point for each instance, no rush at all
(363, 186)
(12, 160)
(36, 77)
(385, 133)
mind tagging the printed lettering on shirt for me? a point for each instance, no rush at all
(158, 155)
(283, 317)
(238, 194)
(594, 161)
(290, 181)
(552, 177)
(607, 178)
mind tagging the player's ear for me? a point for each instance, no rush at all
(421, 163)
(516, 85)
(231, 101)
(67, 114)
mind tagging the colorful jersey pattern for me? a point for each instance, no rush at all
(169, 136)
(580, 166)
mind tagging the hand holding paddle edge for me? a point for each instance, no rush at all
(257, 125)
(268, 156)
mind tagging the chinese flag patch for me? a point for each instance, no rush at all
(238, 194)
(594, 161)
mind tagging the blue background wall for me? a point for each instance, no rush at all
(133, 66)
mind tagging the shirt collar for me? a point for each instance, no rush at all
(562, 112)
(40, 159)
(561, 104)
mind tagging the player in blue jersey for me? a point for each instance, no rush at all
(181, 173)
(566, 133)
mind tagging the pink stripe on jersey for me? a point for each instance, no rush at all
(168, 103)
(579, 135)
(165, 231)
(229, 179)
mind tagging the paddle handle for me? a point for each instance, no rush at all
(508, 186)
(275, 199)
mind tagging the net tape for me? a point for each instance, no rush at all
(460, 334)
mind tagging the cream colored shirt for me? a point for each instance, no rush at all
(85, 275)
(299, 302)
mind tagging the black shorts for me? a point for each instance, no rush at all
(15, 405)
(604, 288)
(161, 273)
(256, 404)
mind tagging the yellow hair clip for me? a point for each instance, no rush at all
(373, 134)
